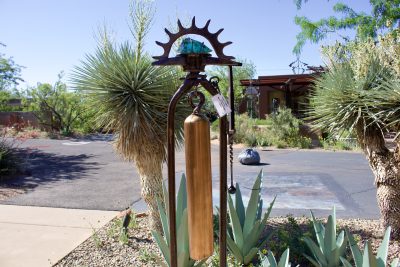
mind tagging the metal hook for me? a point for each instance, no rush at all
(214, 80)
(202, 100)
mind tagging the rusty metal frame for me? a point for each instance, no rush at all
(191, 81)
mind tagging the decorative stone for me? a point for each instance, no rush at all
(190, 46)
(249, 157)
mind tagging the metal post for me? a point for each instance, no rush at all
(171, 167)
(223, 190)
(231, 100)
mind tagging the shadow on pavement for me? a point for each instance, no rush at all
(41, 168)
(96, 137)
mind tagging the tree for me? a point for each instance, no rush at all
(246, 71)
(384, 16)
(55, 106)
(360, 92)
(5, 96)
(132, 99)
(10, 72)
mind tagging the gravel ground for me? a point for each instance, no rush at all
(106, 248)
(8, 191)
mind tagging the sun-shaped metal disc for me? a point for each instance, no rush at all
(218, 47)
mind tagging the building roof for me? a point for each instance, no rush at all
(274, 80)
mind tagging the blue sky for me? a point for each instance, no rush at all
(48, 36)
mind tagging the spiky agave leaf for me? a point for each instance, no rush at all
(367, 258)
(330, 247)
(163, 241)
(270, 261)
(247, 224)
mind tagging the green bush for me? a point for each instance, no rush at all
(244, 129)
(285, 130)
(290, 235)
(247, 132)
(344, 141)
(60, 109)
(281, 130)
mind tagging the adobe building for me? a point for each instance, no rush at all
(277, 91)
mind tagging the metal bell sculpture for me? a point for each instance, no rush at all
(199, 187)
(193, 57)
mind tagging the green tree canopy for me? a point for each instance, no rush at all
(10, 72)
(246, 71)
(384, 16)
(55, 106)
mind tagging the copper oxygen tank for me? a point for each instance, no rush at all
(199, 187)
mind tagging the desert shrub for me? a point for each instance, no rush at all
(8, 159)
(284, 129)
(284, 125)
(60, 109)
(291, 235)
(281, 130)
(344, 141)
(262, 122)
(331, 144)
(249, 133)
(244, 129)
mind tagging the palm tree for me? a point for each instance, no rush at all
(131, 98)
(360, 92)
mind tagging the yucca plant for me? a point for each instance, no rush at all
(330, 248)
(131, 97)
(367, 258)
(247, 225)
(163, 240)
(360, 93)
(270, 261)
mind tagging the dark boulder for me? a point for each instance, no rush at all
(249, 157)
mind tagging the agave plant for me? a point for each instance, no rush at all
(270, 261)
(367, 259)
(329, 248)
(247, 225)
(163, 240)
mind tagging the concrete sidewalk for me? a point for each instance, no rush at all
(38, 236)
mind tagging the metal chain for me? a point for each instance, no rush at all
(232, 189)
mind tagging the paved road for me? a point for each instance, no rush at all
(87, 174)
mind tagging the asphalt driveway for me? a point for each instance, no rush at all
(87, 174)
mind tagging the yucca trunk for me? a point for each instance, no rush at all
(149, 166)
(385, 165)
